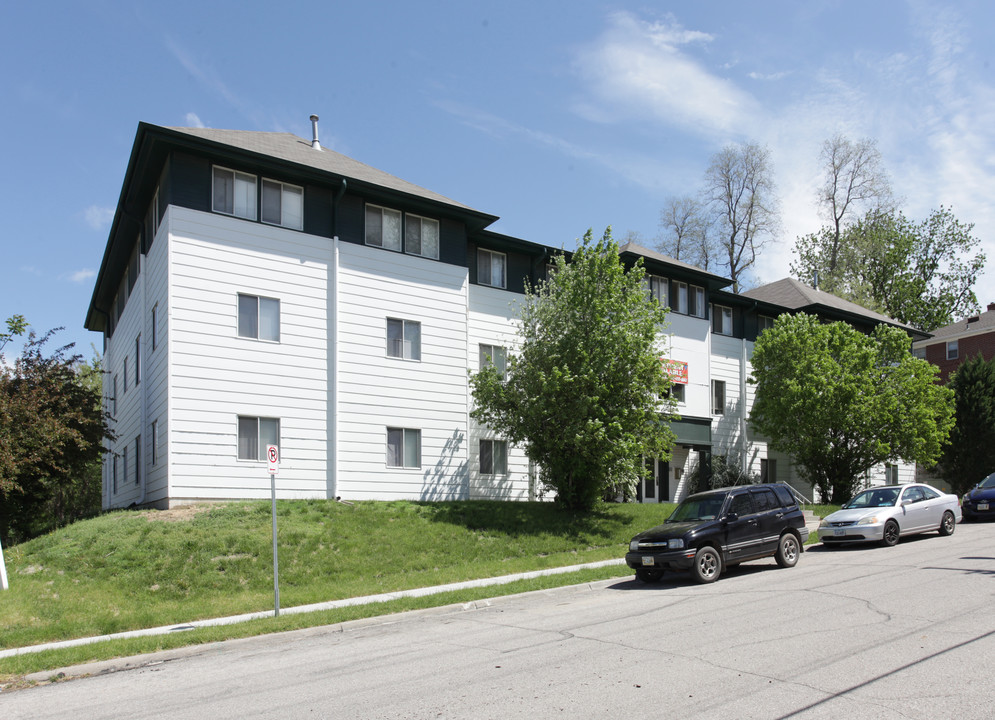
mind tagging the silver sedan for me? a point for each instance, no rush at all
(884, 514)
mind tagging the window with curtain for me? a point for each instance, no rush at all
(234, 193)
(254, 434)
(403, 448)
(421, 236)
(496, 356)
(283, 204)
(403, 339)
(491, 268)
(493, 457)
(383, 227)
(258, 317)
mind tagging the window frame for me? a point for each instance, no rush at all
(138, 360)
(718, 393)
(953, 349)
(402, 454)
(678, 391)
(721, 313)
(154, 326)
(421, 221)
(251, 213)
(258, 317)
(497, 466)
(283, 190)
(410, 344)
(138, 459)
(400, 227)
(258, 439)
(154, 432)
(491, 255)
(486, 354)
(659, 289)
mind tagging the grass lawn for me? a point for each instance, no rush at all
(128, 570)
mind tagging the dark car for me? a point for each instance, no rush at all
(713, 530)
(979, 502)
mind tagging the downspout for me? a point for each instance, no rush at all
(743, 424)
(331, 333)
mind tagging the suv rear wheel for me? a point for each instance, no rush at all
(787, 551)
(707, 565)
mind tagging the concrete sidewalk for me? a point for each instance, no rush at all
(331, 605)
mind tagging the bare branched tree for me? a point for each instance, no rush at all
(685, 231)
(742, 199)
(855, 182)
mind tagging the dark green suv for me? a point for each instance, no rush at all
(713, 530)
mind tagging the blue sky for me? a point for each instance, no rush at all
(555, 116)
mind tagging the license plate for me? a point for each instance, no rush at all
(647, 560)
(839, 532)
(982, 506)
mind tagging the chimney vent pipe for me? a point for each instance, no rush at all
(314, 133)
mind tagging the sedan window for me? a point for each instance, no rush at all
(912, 495)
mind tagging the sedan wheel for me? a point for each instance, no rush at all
(948, 524)
(707, 565)
(891, 533)
(787, 551)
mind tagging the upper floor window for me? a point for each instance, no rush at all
(234, 193)
(154, 326)
(258, 317)
(421, 236)
(383, 227)
(721, 320)
(283, 204)
(678, 393)
(138, 359)
(403, 339)
(496, 356)
(718, 397)
(690, 299)
(952, 350)
(254, 434)
(764, 322)
(658, 288)
(491, 268)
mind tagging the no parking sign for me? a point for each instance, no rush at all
(273, 458)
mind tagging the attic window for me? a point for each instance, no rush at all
(383, 227)
(234, 193)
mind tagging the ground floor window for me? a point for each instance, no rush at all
(493, 457)
(403, 448)
(254, 434)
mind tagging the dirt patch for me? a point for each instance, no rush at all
(180, 513)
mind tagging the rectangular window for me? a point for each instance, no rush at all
(496, 356)
(718, 397)
(421, 236)
(155, 442)
(155, 329)
(124, 373)
(721, 320)
(493, 457)
(952, 350)
(696, 301)
(764, 322)
(133, 267)
(383, 227)
(891, 474)
(138, 360)
(682, 298)
(658, 288)
(124, 463)
(114, 398)
(919, 352)
(114, 473)
(138, 459)
(234, 193)
(258, 318)
(403, 339)
(677, 391)
(768, 470)
(491, 268)
(283, 204)
(254, 434)
(403, 448)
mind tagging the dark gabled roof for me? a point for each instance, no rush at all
(794, 295)
(713, 281)
(296, 150)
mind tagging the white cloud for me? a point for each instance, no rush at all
(81, 276)
(637, 68)
(193, 121)
(98, 218)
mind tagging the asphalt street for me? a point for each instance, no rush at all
(861, 632)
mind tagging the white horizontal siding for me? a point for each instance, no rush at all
(217, 376)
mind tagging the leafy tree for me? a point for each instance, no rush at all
(16, 325)
(582, 393)
(840, 402)
(970, 456)
(51, 430)
(921, 273)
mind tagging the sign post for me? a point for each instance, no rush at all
(3, 571)
(273, 463)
